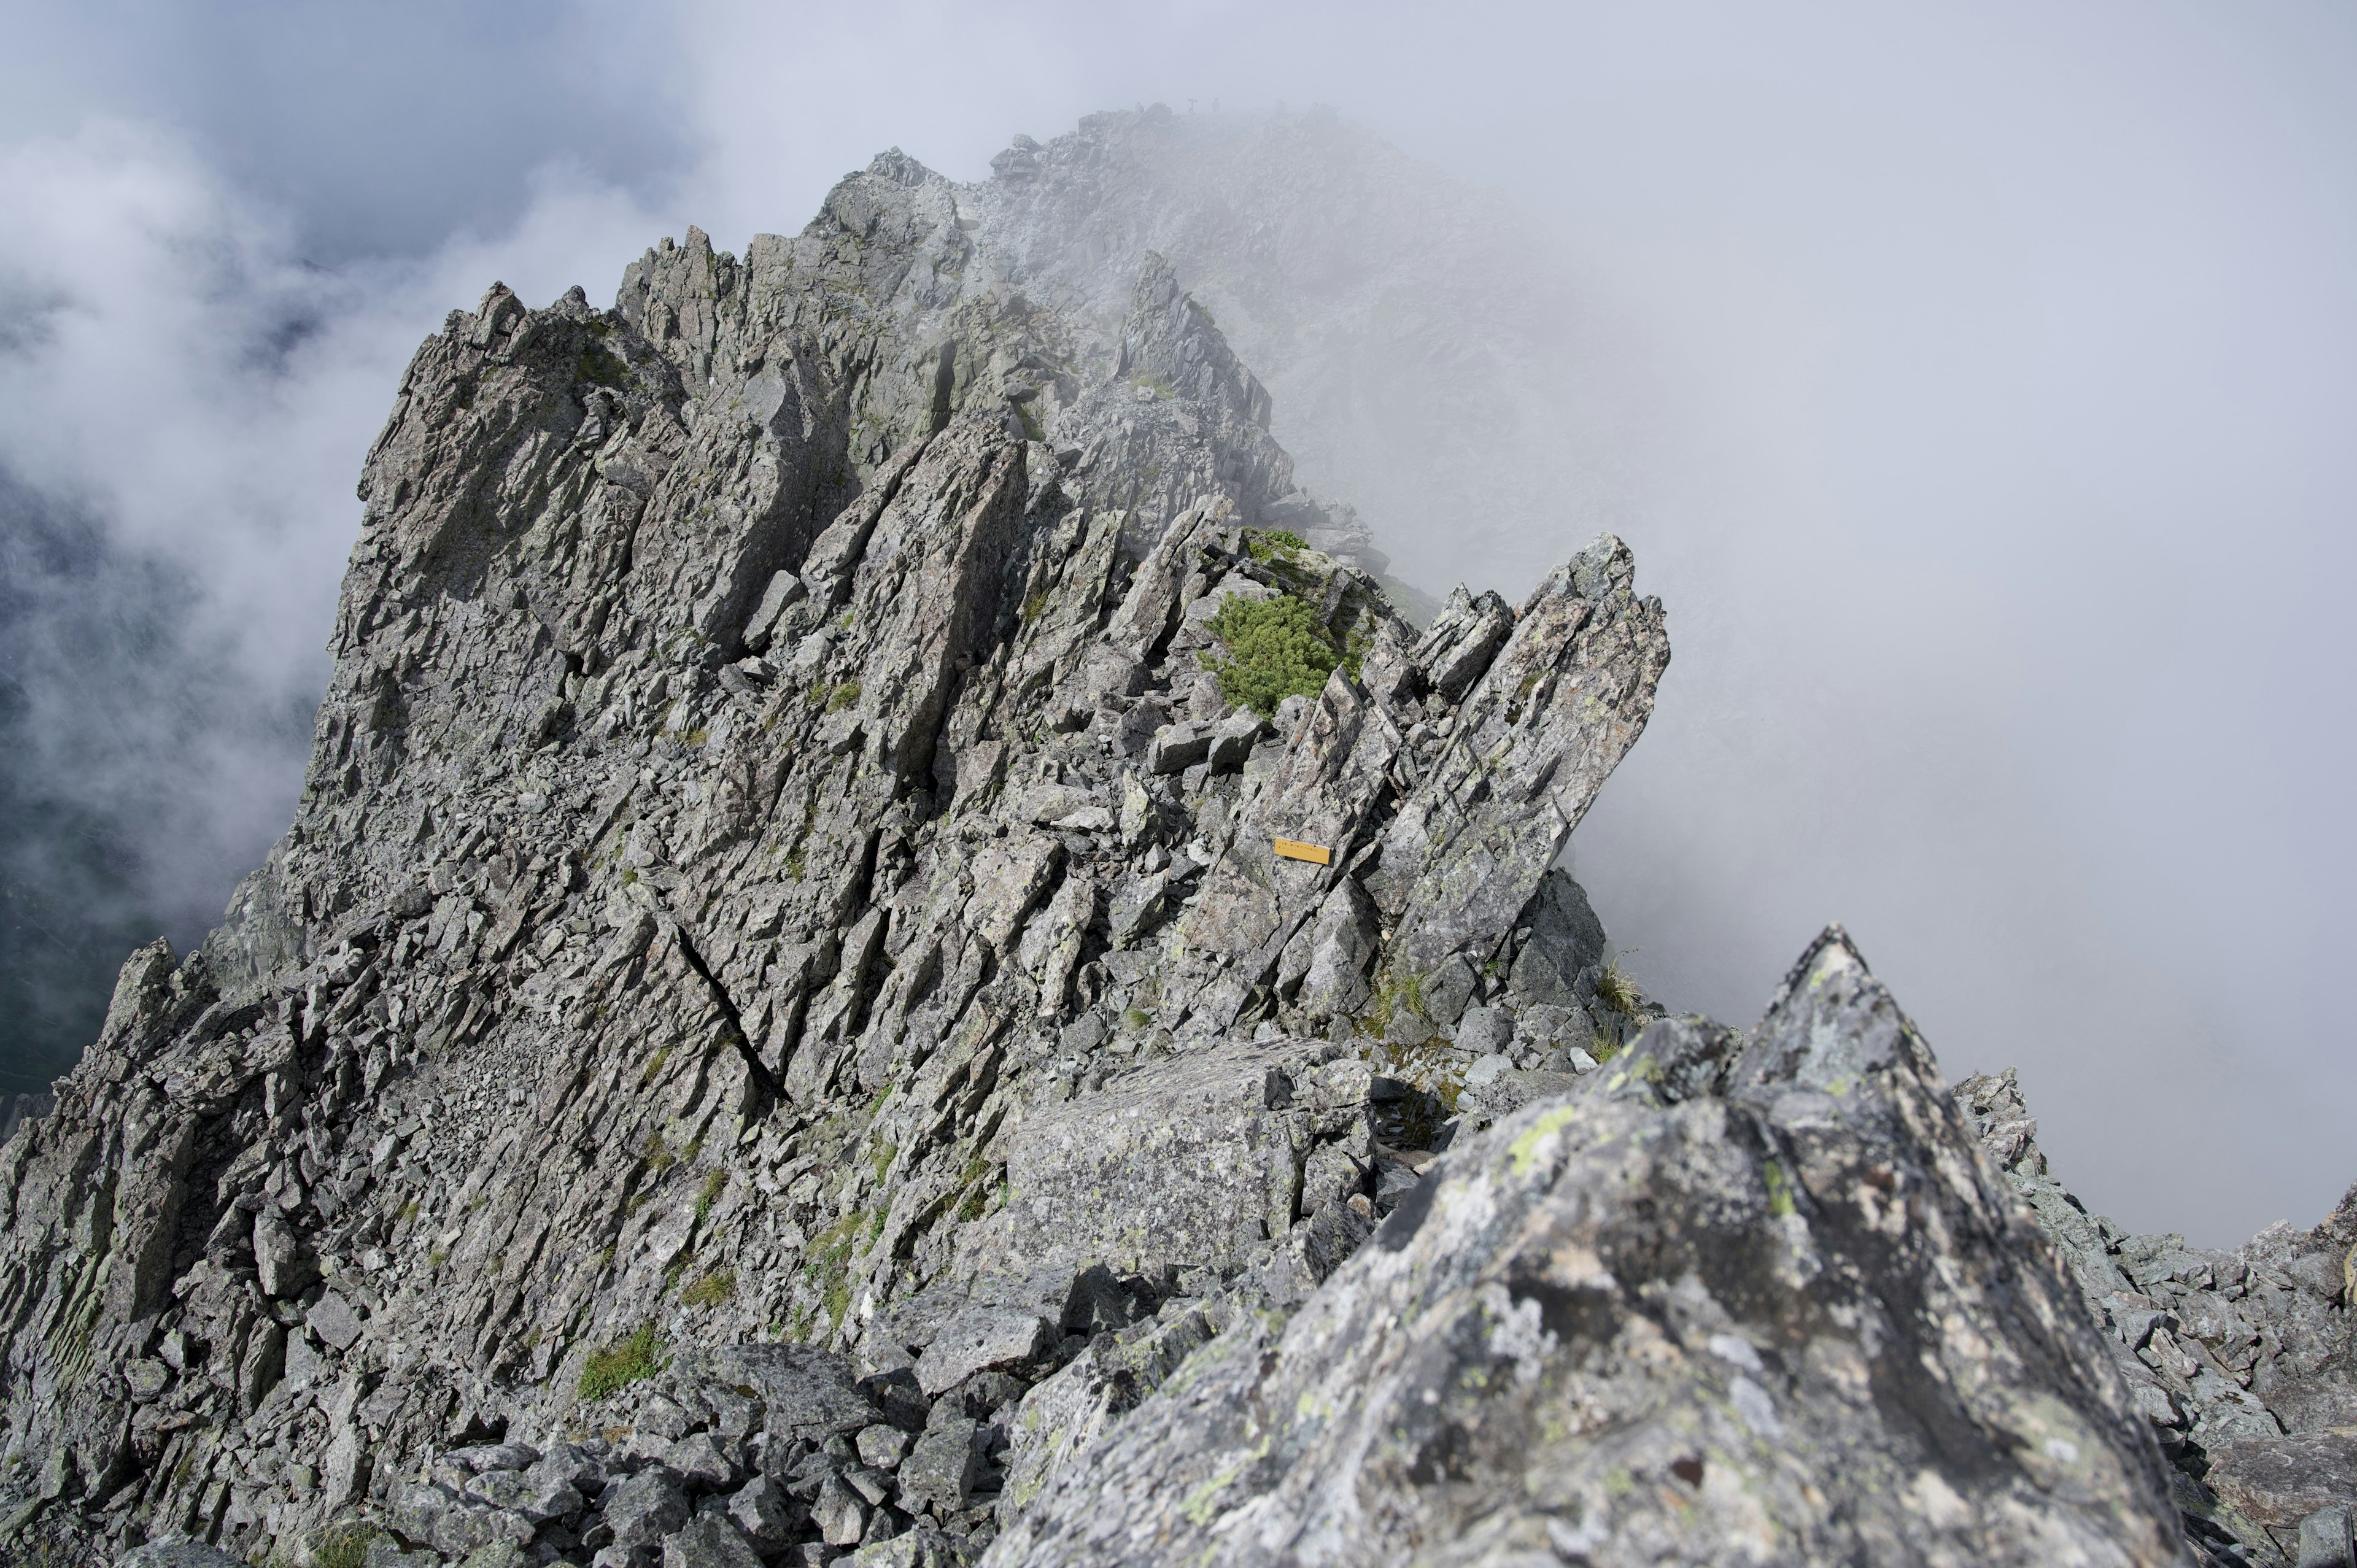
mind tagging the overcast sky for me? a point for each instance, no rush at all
(1992, 379)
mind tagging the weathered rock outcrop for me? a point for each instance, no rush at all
(2243, 1360)
(782, 867)
(783, 1029)
(1730, 1300)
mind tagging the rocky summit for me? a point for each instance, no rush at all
(898, 951)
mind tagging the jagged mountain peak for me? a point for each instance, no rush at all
(895, 946)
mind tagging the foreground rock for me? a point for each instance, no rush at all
(1731, 1301)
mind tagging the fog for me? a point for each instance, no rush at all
(1977, 390)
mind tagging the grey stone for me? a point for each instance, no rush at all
(1231, 741)
(281, 1256)
(1486, 1070)
(537, 1495)
(840, 1513)
(1339, 946)
(481, 1457)
(2278, 1481)
(1446, 991)
(1185, 1163)
(2326, 1539)
(345, 1468)
(1177, 748)
(1566, 941)
(698, 1463)
(463, 1531)
(943, 1467)
(496, 1554)
(1463, 638)
(145, 1380)
(784, 591)
(1062, 1415)
(762, 1513)
(262, 1365)
(384, 1552)
(806, 1393)
(1576, 677)
(571, 1466)
(882, 1446)
(332, 1317)
(921, 1546)
(641, 1509)
(177, 1554)
(1484, 1030)
(977, 1340)
(709, 1540)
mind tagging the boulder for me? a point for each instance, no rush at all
(282, 1258)
(641, 1509)
(944, 1465)
(1192, 1162)
(176, 1554)
(709, 1540)
(2278, 1481)
(1731, 1299)
(763, 1513)
(979, 1338)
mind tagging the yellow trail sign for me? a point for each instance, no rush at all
(1317, 855)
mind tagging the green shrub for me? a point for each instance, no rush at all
(343, 1545)
(1273, 544)
(712, 1185)
(714, 1288)
(626, 1362)
(1617, 991)
(827, 1263)
(1276, 648)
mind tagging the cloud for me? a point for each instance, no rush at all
(184, 405)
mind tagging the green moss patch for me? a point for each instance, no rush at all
(626, 1362)
(712, 1290)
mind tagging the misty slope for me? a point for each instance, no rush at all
(1418, 331)
(781, 1028)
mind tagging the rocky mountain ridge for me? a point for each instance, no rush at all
(784, 1029)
